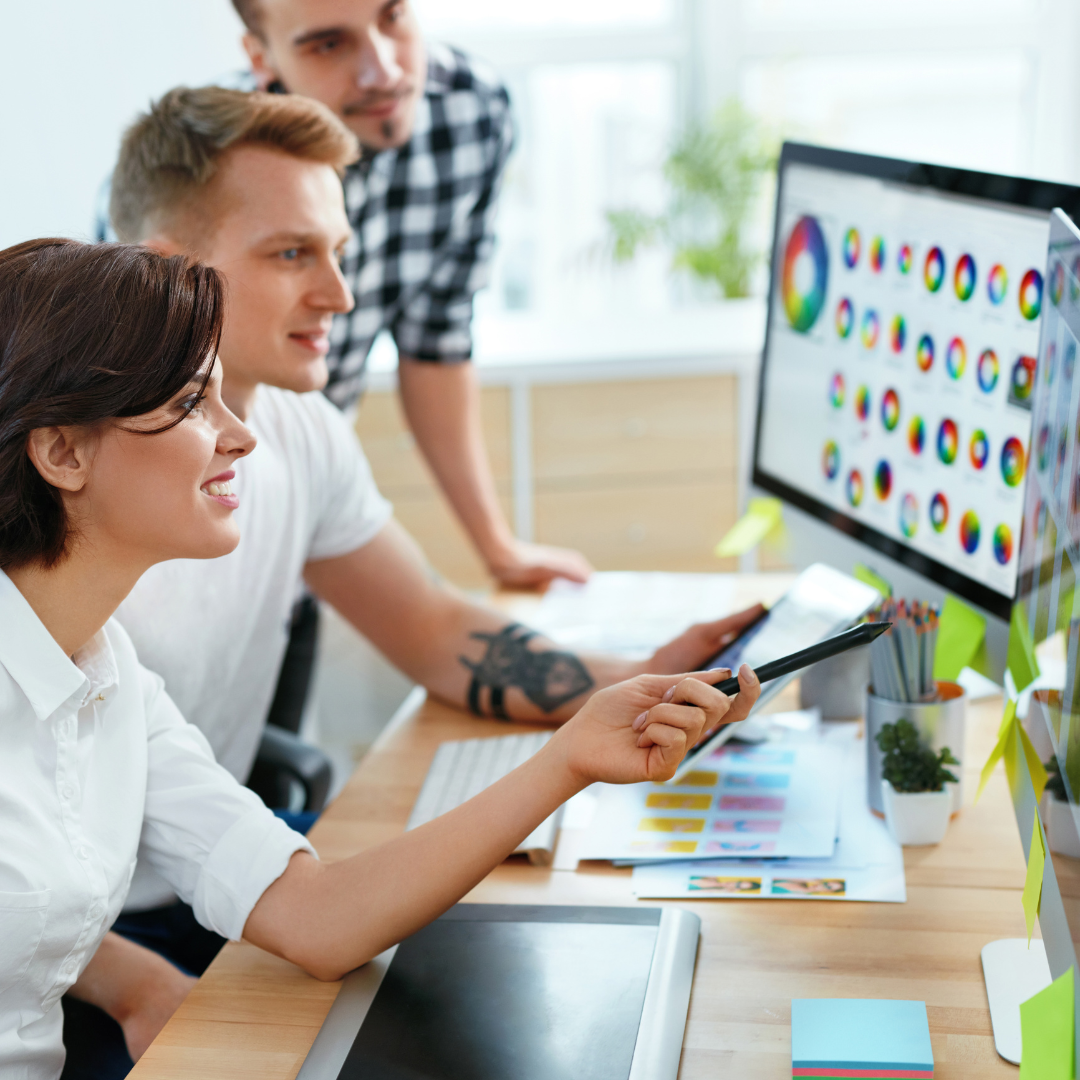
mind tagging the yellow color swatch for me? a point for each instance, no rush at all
(671, 824)
(678, 802)
(699, 778)
(1032, 895)
(672, 847)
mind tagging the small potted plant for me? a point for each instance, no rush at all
(913, 789)
(1061, 827)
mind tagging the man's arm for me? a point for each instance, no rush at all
(137, 988)
(442, 405)
(472, 656)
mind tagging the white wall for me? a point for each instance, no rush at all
(73, 74)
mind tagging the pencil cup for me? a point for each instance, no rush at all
(941, 723)
(837, 686)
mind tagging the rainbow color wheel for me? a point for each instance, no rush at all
(997, 283)
(1012, 461)
(890, 409)
(877, 254)
(845, 318)
(988, 370)
(871, 328)
(883, 480)
(1057, 282)
(898, 334)
(1023, 378)
(969, 532)
(830, 460)
(862, 402)
(1003, 544)
(836, 391)
(979, 449)
(964, 277)
(1031, 285)
(1042, 448)
(854, 487)
(939, 512)
(948, 441)
(805, 274)
(924, 353)
(852, 247)
(909, 515)
(904, 259)
(956, 358)
(934, 269)
(916, 435)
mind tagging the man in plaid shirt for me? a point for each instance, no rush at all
(436, 131)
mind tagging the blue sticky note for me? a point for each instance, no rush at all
(856, 1034)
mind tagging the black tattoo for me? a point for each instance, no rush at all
(548, 679)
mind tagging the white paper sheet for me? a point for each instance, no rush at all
(867, 863)
(771, 799)
(631, 613)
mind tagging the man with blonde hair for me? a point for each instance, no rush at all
(248, 183)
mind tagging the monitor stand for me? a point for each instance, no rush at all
(1013, 973)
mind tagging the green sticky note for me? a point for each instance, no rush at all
(1021, 662)
(867, 576)
(961, 631)
(1047, 1031)
(761, 518)
(1032, 895)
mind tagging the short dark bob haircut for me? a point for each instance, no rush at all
(89, 333)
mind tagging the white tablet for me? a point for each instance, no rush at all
(821, 603)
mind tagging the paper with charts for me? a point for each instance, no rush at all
(772, 800)
(868, 864)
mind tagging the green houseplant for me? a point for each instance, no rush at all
(715, 172)
(913, 787)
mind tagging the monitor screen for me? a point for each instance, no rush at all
(896, 386)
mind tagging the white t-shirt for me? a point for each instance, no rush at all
(98, 765)
(216, 629)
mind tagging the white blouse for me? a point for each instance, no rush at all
(98, 766)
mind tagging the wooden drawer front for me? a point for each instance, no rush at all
(392, 451)
(648, 527)
(432, 524)
(636, 428)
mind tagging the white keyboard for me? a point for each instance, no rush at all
(463, 769)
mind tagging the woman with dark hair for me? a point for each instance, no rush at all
(116, 452)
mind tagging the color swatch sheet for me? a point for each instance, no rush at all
(770, 799)
(867, 863)
(860, 1037)
(631, 613)
(901, 362)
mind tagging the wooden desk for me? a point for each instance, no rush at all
(253, 1015)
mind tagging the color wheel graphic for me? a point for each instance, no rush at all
(1012, 461)
(969, 532)
(830, 460)
(948, 441)
(805, 274)
(1023, 378)
(890, 409)
(898, 334)
(979, 449)
(964, 277)
(836, 391)
(1042, 450)
(852, 247)
(1003, 544)
(845, 318)
(904, 259)
(862, 402)
(1057, 282)
(924, 353)
(916, 435)
(934, 269)
(883, 480)
(939, 512)
(877, 254)
(871, 328)
(854, 487)
(909, 515)
(988, 370)
(997, 283)
(956, 358)
(1031, 286)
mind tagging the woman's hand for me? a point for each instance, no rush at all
(699, 643)
(642, 729)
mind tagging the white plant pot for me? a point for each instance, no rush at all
(917, 818)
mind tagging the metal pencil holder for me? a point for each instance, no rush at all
(941, 723)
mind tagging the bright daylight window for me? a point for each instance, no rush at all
(602, 90)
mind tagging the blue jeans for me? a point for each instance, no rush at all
(94, 1040)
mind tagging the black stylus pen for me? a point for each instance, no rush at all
(862, 634)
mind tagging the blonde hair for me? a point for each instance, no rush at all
(173, 151)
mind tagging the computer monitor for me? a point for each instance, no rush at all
(895, 393)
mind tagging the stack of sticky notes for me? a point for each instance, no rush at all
(855, 1038)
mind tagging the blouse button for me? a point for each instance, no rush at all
(69, 792)
(82, 853)
(96, 911)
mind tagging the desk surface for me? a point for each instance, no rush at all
(253, 1015)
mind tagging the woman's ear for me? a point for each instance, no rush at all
(61, 455)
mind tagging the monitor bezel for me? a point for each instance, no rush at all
(1037, 195)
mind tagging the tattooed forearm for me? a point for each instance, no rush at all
(548, 679)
